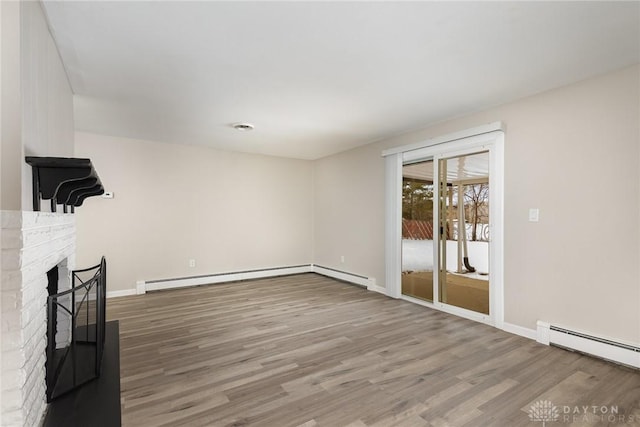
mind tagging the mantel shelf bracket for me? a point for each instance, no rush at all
(65, 181)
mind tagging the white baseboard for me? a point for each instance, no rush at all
(155, 285)
(121, 293)
(606, 348)
(143, 286)
(519, 330)
(140, 287)
(378, 289)
(367, 282)
(542, 332)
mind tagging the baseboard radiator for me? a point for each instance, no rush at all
(143, 286)
(626, 354)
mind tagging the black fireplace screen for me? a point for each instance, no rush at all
(75, 331)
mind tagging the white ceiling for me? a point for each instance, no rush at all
(316, 78)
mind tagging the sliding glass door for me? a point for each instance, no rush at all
(463, 278)
(417, 230)
(444, 240)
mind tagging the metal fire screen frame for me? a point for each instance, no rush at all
(76, 358)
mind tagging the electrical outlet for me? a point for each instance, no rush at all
(192, 263)
(342, 259)
(534, 215)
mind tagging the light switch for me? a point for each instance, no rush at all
(534, 214)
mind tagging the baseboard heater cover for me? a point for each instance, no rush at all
(624, 353)
(156, 285)
(366, 282)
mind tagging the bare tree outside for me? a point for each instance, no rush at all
(417, 204)
(477, 199)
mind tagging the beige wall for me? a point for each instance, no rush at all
(36, 107)
(10, 107)
(349, 212)
(228, 211)
(47, 99)
(573, 153)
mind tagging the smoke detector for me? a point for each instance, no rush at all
(244, 127)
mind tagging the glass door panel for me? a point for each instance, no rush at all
(463, 271)
(417, 230)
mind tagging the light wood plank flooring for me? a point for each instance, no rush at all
(308, 351)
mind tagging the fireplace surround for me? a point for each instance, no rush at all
(33, 244)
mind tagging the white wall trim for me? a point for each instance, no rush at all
(542, 332)
(496, 222)
(368, 282)
(606, 348)
(140, 287)
(121, 293)
(519, 330)
(379, 289)
(393, 225)
(478, 130)
(143, 286)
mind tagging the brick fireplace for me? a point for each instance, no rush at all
(32, 244)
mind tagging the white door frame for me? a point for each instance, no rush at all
(490, 139)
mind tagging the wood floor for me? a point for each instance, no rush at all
(308, 351)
